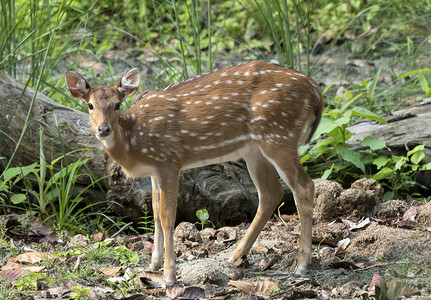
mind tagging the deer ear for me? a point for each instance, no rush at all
(78, 86)
(129, 83)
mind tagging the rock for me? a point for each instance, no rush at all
(424, 216)
(331, 201)
(206, 270)
(187, 231)
(391, 209)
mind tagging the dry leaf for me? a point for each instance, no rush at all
(34, 257)
(263, 288)
(344, 265)
(261, 248)
(378, 288)
(410, 214)
(260, 288)
(110, 271)
(399, 289)
(246, 287)
(342, 245)
(98, 237)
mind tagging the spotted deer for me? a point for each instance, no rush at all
(258, 111)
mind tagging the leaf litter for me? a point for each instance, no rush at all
(369, 257)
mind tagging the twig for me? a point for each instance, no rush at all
(121, 229)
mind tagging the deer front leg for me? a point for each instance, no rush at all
(168, 184)
(157, 257)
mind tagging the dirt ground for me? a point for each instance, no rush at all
(362, 247)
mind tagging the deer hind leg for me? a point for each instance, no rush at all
(270, 192)
(157, 256)
(288, 166)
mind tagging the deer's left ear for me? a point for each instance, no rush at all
(129, 83)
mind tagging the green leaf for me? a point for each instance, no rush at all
(327, 172)
(400, 163)
(382, 173)
(350, 156)
(417, 157)
(423, 82)
(373, 144)
(416, 149)
(390, 195)
(413, 73)
(426, 166)
(18, 198)
(381, 161)
(202, 215)
(365, 113)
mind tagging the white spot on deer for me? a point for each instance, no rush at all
(203, 137)
(207, 86)
(140, 106)
(226, 98)
(146, 105)
(268, 71)
(210, 117)
(258, 103)
(294, 78)
(216, 82)
(235, 94)
(185, 95)
(247, 73)
(262, 72)
(218, 107)
(240, 82)
(228, 115)
(183, 110)
(265, 105)
(144, 150)
(223, 124)
(254, 108)
(255, 73)
(193, 134)
(291, 134)
(141, 133)
(209, 103)
(236, 103)
(260, 118)
(263, 92)
(183, 131)
(205, 122)
(193, 119)
(274, 89)
(279, 84)
(133, 141)
(171, 115)
(224, 74)
(192, 92)
(256, 137)
(236, 73)
(229, 81)
(215, 97)
(198, 102)
(152, 149)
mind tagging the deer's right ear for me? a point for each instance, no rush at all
(78, 86)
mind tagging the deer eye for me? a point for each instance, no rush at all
(117, 105)
(90, 106)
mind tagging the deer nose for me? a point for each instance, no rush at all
(104, 130)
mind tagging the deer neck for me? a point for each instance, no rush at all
(117, 144)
